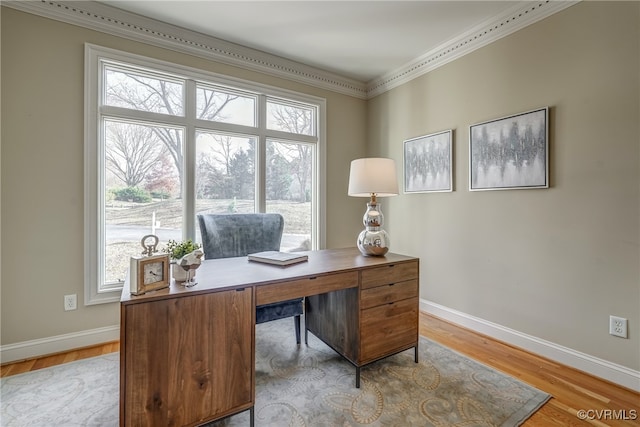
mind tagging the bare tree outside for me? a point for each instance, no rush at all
(300, 121)
(131, 151)
(137, 91)
(225, 169)
(214, 105)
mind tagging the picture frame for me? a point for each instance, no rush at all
(510, 152)
(149, 273)
(428, 163)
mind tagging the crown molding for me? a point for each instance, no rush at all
(500, 26)
(110, 20)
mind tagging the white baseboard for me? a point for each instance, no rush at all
(601, 368)
(56, 344)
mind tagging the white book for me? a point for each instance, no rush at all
(277, 258)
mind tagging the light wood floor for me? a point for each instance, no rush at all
(572, 390)
(57, 359)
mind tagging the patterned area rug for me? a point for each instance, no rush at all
(298, 386)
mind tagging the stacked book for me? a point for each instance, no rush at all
(277, 258)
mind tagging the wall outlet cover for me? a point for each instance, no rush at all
(70, 302)
(618, 326)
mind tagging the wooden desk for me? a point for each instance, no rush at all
(187, 355)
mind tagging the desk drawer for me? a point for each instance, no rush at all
(267, 294)
(387, 328)
(387, 274)
(388, 293)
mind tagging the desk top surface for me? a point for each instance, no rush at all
(232, 273)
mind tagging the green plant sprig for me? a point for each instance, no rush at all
(178, 250)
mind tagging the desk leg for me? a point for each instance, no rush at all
(357, 376)
(296, 322)
(416, 353)
(251, 417)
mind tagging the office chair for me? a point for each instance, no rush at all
(234, 235)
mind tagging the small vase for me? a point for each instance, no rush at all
(179, 274)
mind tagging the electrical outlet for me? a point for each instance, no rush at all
(70, 302)
(618, 326)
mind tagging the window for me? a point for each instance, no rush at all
(164, 143)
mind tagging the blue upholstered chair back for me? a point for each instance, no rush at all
(233, 235)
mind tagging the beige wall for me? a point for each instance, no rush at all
(42, 170)
(550, 263)
(553, 263)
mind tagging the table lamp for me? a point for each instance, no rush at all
(373, 177)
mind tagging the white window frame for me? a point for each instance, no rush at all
(97, 292)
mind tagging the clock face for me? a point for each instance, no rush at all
(153, 272)
(148, 273)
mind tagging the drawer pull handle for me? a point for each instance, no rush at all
(240, 290)
(312, 278)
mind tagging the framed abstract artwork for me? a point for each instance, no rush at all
(510, 153)
(428, 163)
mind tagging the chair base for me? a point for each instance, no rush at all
(280, 310)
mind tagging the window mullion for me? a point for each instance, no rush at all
(288, 136)
(225, 127)
(188, 190)
(261, 153)
(143, 116)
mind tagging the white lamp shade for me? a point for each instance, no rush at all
(373, 175)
